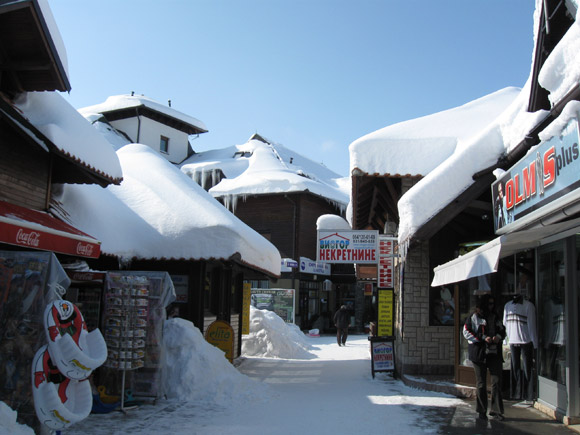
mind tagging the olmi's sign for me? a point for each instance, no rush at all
(549, 172)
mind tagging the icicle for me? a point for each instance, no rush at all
(215, 173)
(205, 176)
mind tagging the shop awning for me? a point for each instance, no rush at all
(34, 229)
(485, 259)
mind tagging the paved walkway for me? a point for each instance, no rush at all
(462, 420)
(332, 393)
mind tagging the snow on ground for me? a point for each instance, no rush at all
(333, 392)
(8, 424)
(271, 337)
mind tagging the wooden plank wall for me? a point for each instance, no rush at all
(24, 171)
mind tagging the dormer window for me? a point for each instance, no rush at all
(242, 154)
(164, 145)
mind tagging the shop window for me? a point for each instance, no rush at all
(551, 312)
(442, 306)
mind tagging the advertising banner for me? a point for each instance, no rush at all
(348, 246)
(246, 308)
(386, 267)
(281, 301)
(549, 172)
(385, 317)
(383, 355)
(221, 335)
(313, 267)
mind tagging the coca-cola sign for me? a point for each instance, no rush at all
(85, 249)
(28, 238)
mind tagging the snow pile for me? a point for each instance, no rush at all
(196, 370)
(271, 337)
(8, 424)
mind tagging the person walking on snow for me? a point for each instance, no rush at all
(485, 332)
(341, 321)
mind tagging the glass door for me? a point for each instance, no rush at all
(551, 309)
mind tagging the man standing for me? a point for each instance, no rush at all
(341, 321)
(485, 333)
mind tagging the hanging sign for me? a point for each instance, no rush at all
(348, 246)
(313, 267)
(547, 174)
(386, 267)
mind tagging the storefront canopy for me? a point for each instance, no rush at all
(34, 229)
(485, 259)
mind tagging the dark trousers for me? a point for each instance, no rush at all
(494, 365)
(521, 382)
(341, 335)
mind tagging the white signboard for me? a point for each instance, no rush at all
(348, 246)
(314, 267)
(383, 356)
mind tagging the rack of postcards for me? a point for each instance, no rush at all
(126, 313)
(134, 311)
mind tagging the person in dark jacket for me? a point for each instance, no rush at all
(341, 321)
(485, 333)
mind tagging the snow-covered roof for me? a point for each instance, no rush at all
(55, 35)
(159, 213)
(126, 101)
(394, 150)
(71, 134)
(259, 168)
(475, 151)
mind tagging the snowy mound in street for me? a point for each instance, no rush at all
(196, 370)
(271, 337)
(8, 424)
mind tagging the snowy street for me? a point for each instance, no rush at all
(332, 392)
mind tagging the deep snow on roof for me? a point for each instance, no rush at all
(125, 101)
(158, 212)
(446, 176)
(52, 115)
(417, 146)
(257, 168)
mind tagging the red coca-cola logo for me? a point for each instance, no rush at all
(31, 238)
(85, 249)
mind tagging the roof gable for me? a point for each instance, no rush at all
(32, 57)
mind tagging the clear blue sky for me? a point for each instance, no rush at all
(313, 75)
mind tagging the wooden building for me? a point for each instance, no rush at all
(286, 216)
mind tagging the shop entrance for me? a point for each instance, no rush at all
(551, 279)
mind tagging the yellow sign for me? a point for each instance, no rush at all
(221, 335)
(246, 299)
(385, 318)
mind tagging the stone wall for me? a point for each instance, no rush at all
(419, 348)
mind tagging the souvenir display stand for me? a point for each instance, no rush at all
(134, 312)
(28, 282)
